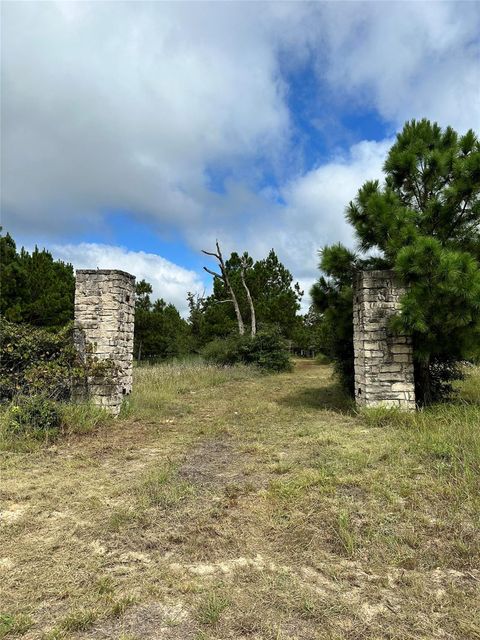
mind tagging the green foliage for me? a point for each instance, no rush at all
(223, 351)
(424, 222)
(311, 331)
(160, 331)
(14, 624)
(35, 288)
(266, 350)
(40, 361)
(33, 416)
(35, 360)
(275, 297)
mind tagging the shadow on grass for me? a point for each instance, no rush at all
(330, 397)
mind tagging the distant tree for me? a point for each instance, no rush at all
(35, 288)
(274, 296)
(225, 278)
(160, 331)
(424, 222)
(311, 332)
(143, 289)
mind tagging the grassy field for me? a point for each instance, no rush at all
(226, 504)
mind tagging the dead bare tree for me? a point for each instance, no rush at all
(223, 275)
(243, 267)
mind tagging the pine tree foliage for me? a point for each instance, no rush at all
(160, 331)
(35, 288)
(424, 222)
(274, 294)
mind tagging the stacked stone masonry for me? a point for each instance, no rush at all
(104, 323)
(383, 361)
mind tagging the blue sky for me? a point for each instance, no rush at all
(135, 134)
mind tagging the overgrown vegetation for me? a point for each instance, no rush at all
(266, 350)
(39, 369)
(224, 503)
(424, 222)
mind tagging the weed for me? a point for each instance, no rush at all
(122, 517)
(105, 586)
(211, 608)
(80, 620)
(119, 607)
(17, 624)
(345, 534)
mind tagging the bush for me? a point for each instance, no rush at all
(34, 416)
(223, 351)
(266, 350)
(39, 361)
(321, 358)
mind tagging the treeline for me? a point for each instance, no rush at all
(38, 290)
(35, 288)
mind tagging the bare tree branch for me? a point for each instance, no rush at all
(213, 273)
(226, 280)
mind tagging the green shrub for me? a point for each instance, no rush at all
(34, 416)
(83, 417)
(39, 361)
(223, 351)
(266, 350)
(321, 358)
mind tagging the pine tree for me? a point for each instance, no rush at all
(35, 288)
(424, 222)
(276, 298)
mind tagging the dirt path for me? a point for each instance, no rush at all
(256, 509)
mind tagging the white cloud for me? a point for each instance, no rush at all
(130, 105)
(314, 214)
(407, 59)
(126, 105)
(169, 281)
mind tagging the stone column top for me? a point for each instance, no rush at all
(104, 272)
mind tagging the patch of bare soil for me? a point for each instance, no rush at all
(152, 621)
(216, 464)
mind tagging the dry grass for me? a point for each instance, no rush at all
(230, 505)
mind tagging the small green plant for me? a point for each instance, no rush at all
(80, 620)
(120, 606)
(33, 416)
(161, 488)
(345, 534)
(105, 586)
(211, 608)
(321, 358)
(83, 417)
(14, 624)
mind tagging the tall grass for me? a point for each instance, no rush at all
(81, 418)
(444, 436)
(156, 387)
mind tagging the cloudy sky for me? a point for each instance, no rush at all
(134, 134)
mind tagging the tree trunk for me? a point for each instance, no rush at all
(226, 280)
(423, 383)
(250, 302)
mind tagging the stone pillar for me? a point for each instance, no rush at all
(104, 319)
(383, 361)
